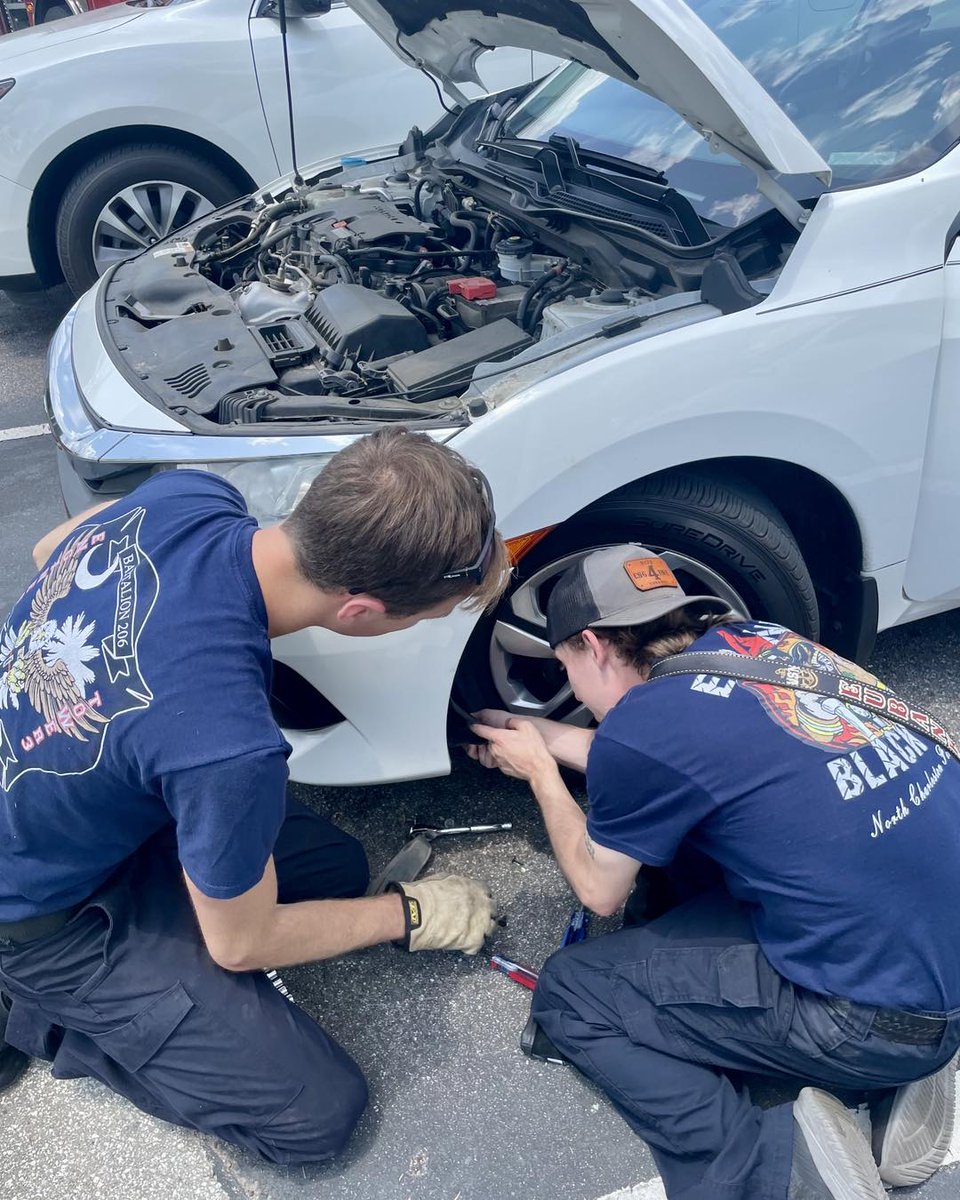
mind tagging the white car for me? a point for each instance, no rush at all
(652, 299)
(119, 125)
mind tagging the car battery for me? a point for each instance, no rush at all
(477, 313)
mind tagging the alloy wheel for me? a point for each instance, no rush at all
(141, 215)
(528, 679)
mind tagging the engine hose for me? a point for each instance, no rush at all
(461, 222)
(390, 252)
(222, 223)
(548, 297)
(427, 317)
(418, 191)
(535, 288)
(268, 214)
(343, 267)
(435, 299)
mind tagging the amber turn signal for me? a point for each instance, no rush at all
(517, 547)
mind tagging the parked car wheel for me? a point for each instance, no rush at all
(717, 538)
(127, 200)
(56, 12)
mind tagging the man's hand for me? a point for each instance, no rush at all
(446, 912)
(498, 718)
(518, 749)
(568, 745)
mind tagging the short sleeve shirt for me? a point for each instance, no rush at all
(839, 829)
(135, 675)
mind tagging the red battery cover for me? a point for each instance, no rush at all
(473, 287)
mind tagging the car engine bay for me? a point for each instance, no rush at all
(374, 294)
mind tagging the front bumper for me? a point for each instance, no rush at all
(393, 692)
(16, 261)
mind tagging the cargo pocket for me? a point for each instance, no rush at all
(189, 1058)
(135, 1043)
(31, 1030)
(724, 992)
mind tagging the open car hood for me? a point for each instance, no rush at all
(658, 46)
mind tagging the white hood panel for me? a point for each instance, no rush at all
(658, 46)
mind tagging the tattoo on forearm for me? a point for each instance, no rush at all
(591, 849)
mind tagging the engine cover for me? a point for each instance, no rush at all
(359, 221)
(361, 323)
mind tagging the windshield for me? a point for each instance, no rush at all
(873, 84)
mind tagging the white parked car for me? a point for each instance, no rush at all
(700, 289)
(119, 125)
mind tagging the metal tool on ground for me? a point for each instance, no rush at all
(409, 861)
(432, 832)
(525, 976)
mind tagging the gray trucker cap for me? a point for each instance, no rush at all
(618, 586)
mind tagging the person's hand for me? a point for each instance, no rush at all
(446, 912)
(496, 718)
(518, 749)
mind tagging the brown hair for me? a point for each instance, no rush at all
(390, 515)
(641, 646)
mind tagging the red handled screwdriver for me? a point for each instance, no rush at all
(525, 976)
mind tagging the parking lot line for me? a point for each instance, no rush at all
(23, 431)
(651, 1190)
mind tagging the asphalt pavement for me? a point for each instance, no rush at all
(457, 1112)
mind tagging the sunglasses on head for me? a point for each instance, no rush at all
(477, 570)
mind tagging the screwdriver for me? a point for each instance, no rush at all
(525, 976)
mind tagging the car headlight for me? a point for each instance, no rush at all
(272, 487)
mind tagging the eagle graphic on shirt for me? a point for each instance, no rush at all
(61, 681)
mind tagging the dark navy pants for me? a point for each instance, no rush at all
(658, 1015)
(127, 993)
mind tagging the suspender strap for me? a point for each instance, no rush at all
(724, 665)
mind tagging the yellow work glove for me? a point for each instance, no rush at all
(445, 912)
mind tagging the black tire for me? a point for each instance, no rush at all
(730, 528)
(106, 176)
(56, 12)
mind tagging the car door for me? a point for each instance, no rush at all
(933, 568)
(350, 91)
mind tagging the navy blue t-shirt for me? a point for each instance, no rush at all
(134, 691)
(839, 829)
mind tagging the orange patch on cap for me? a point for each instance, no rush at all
(649, 573)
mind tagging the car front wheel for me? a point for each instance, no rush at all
(129, 199)
(718, 538)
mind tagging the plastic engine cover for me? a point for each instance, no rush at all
(360, 322)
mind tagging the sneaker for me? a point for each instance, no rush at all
(832, 1159)
(913, 1127)
(13, 1062)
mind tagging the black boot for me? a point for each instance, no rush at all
(13, 1062)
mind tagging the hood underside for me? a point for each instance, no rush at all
(658, 46)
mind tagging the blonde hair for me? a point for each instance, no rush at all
(641, 646)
